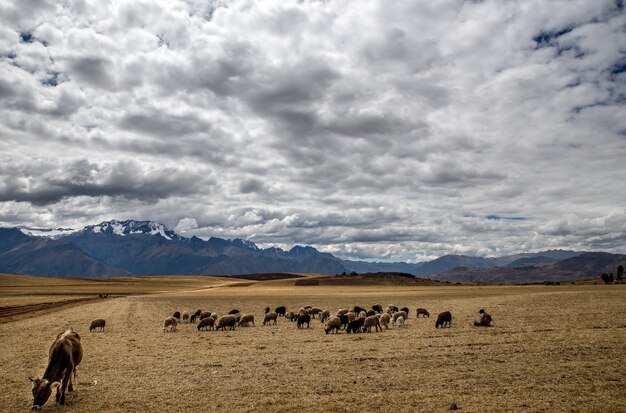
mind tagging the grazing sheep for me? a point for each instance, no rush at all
(342, 311)
(355, 326)
(357, 309)
(377, 308)
(393, 308)
(176, 315)
(301, 311)
(205, 314)
(234, 311)
(362, 314)
(226, 321)
(206, 324)
(443, 319)
(351, 315)
(245, 320)
(333, 323)
(315, 311)
(344, 320)
(325, 315)
(406, 310)
(195, 315)
(170, 324)
(385, 319)
(402, 314)
(423, 312)
(303, 319)
(185, 316)
(214, 316)
(400, 321)
(267, 310)
(270, 317)
(99, 323)
(372, 321)
(291, 316)
(281, 310)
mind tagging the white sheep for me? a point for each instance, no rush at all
(272, 316)
(372, 321)
(246, 319)
(400, 322)
(399, 314)
(342, 311)
(325, 315)
(385, 319)
(362, 314)
(170, 324)
(333, 323)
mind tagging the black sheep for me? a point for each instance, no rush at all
(355, 326)
(234, 311)
(176, 315)
(302, 320)
(357, 310)
(378, 308)
(344, 320)
(405, 309)
(443, 319)
(370, 312)
(194, 316)
(281, 310)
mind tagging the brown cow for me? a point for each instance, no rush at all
(65, 354)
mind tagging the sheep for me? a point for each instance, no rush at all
(393, 308)
(238, 315)
(372, 321)
(355, 326)
(267, 309)
(207, 323)
(195, 315)
(185, 316)
(170, 324)
(246, 319)
(315, 311)
(370, 312)
(406, 310)
(214, 316)
(423, 312)
(388, 310)
(280, 310)
(400, 321)
(325, 315)
(291, 316)
(304, 319)
(226, 321)
(344, 320)
(301, 311)
(385, 319)
(351, 315)
(99, 323)
(333, 323)
(176, 315)
(362, 314)
(402, 314)
(233, 311)
(269, 317)
(205, 314)
(377, 308)
(443, 319)
(342, 311)
(357, 309)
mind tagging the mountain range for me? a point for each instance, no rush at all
(115, 248)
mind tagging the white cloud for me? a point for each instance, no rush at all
(368, 129)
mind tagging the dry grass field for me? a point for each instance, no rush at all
(552, 349)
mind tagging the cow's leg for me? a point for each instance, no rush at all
(66, 380)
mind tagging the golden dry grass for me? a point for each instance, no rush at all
(553, 349)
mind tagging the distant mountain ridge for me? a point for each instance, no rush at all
(150, 248)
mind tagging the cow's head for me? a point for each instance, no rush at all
(42, 389)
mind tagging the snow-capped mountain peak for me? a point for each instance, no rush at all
(130, 227)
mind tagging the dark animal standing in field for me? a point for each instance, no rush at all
(65, 354)
(206, 324)
(281, 310)
(234, 311)
(185, 317)
(443, 319)
(302, 320)
(378, 308)
(176, 315)
(344, 320)
(194, 316)
(393, 308)
(99, 323)
(205, 314)
(267, 309)
(406, 310)
(423, 312)
(226, 321)
(370, 313)
(355, 326)
(358, 309)
(315, 311)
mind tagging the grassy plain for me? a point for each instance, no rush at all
(553, 349)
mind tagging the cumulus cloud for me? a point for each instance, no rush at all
(377, 130)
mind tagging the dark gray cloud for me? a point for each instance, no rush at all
(383, 130)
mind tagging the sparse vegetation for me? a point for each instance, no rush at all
(556, 348)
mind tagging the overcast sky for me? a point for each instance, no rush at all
(396, 130)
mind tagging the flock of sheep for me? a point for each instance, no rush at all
(355, 320)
